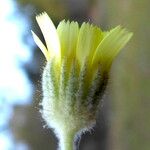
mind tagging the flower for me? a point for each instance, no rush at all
(77, 71)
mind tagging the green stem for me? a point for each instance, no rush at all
(67, 141)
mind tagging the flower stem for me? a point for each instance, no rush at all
(67, 141)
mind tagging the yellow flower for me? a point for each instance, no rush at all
(76, 74)
(85, 43)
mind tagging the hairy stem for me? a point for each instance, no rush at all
(67, 141)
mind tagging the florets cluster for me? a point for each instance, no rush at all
(77, 71)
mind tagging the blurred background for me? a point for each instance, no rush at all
(123, 122)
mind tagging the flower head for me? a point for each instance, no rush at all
(76, 74)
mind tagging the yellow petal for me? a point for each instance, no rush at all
(88, 40)
(73, 37)
(50, 34)
(110, 46)
(68, 35)
(41, 45)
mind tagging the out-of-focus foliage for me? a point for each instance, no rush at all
(131, 78)
(56, 8)
(129, 84)
(60, 9)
